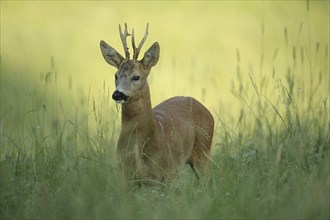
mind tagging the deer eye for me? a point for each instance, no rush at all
(135, 78)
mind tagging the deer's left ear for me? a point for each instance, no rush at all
(111, 55)
(151, 56)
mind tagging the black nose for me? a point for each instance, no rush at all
(119, 96)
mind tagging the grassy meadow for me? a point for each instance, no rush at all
(262, 68)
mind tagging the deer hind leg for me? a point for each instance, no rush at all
(199, 159)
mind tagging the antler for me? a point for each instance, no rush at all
(123, 39)
(136, 51)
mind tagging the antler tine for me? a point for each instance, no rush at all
(123, 40)
(136, 51)
(133, 43)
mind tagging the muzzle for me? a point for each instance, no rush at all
(119, 97)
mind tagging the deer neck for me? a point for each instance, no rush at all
(137, 115)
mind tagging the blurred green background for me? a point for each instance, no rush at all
(205, 47)
(261, 67)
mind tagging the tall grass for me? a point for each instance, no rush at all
(272, 161)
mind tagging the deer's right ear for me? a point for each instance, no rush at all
(151, 56)
(111, 55)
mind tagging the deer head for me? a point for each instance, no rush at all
(131, 77)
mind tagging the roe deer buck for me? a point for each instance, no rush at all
(155, 143)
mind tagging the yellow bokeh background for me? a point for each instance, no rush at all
(202, 43)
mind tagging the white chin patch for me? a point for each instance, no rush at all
(120, 102)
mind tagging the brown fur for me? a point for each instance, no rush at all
(155, 143)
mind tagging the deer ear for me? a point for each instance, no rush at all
(151, 56)
(111, 55)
